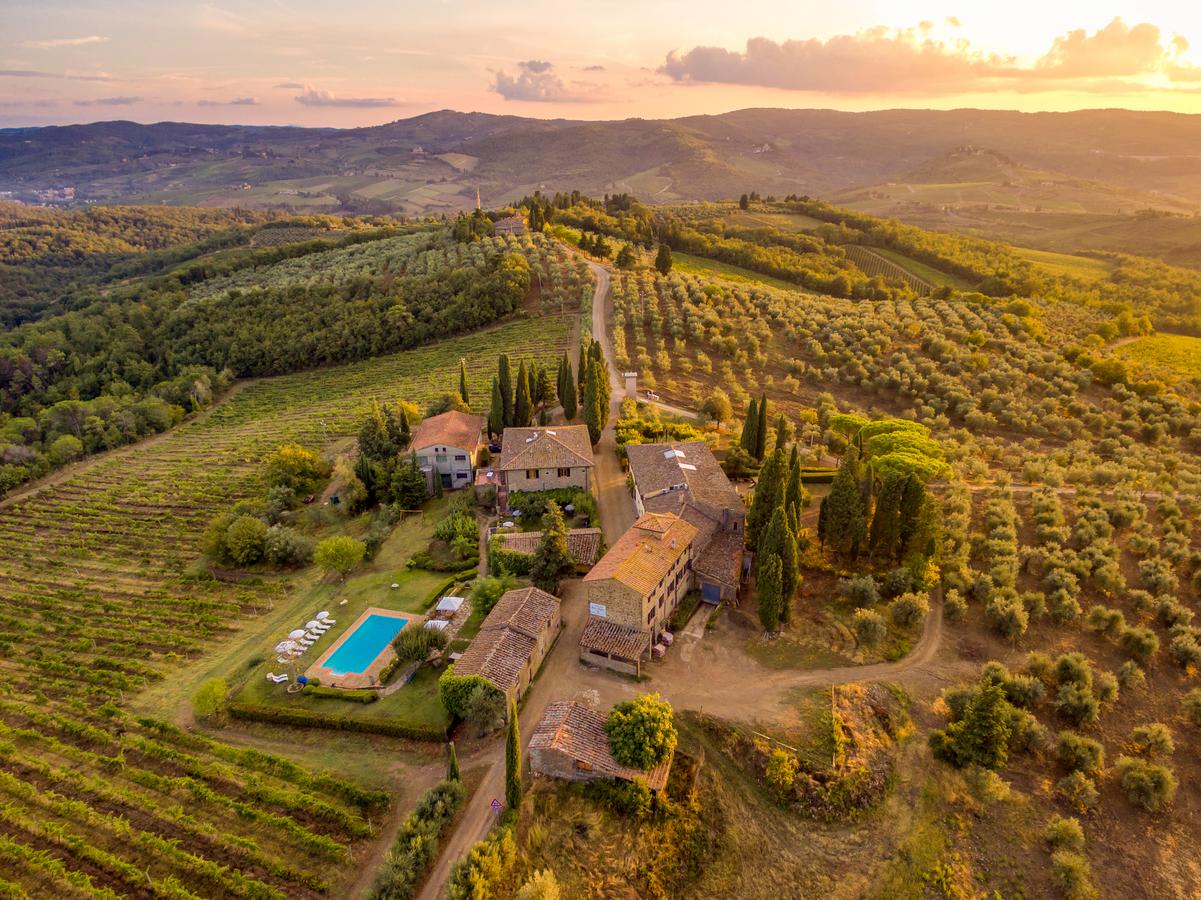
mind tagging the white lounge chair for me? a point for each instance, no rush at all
(278, 679)
(306, 644)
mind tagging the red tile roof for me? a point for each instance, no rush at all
(450, 429)
(560, 446)
(646, 552)
(579, 732)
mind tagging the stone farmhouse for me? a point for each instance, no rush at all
(447, 448)
(571, 743)
(635, 588)
(684, 478)
(544, 459)
(509, 225)
(513, 640)
(583, 544)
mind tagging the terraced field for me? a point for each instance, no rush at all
(98, 603)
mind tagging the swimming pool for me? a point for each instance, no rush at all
(364, 644)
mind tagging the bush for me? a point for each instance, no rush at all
(301, 471)
(1073, 668)
(981, 735)
(1191, 704)
(339, 554)
(245, 540)
(1072, 875)
(485, 707)
(909, 610)
(641, 732)
(860, 591)
(1141, 643)
(1106, 620)
(1185, 651)
(1079, 754)
(1149, 785)
(285, 547)
(416, 844)
(543, 885)
(1008, 616)
(1130, 675)
(487, 867)
(1077, 704)
(870, 628)
(954, 607)
(1079, 790)
(896, 582)
(781, 771)
(304, 718)
(1153, 740)
(415, 644)
(488, 591)
(209, 698)
(455, 690)
(1065, 834)
(321, 692)
(627, 798)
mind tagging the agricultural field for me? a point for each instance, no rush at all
(1083, 267)
(1177, 355)
(103, 600)
(872, 262)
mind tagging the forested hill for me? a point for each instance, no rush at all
(437, 161)
(139, 357)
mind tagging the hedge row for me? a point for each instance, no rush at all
(322, 692)
(446, 584)
(416, 845)
(303, 718)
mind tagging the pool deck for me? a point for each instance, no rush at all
(370, 677)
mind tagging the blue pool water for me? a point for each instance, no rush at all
(366, 643)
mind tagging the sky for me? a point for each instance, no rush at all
(365, 62)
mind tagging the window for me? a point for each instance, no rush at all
(531, 473)
(564, 473)
(460, 457)
(650, 616)
(440, 457)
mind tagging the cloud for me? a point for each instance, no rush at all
(64, 42)
(881, 60)
(310, 96)
(109, 101)
(237, 101)
(593, 69)
(69, 76)
(289, 86)
(536, 82)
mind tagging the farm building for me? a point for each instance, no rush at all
(513, 641)
(509, 225)
(571, 743)
(685, 479)
(544, 459)
(447, 447)
(583, 544)
(635, 588)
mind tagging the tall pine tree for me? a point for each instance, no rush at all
(568, 394)
(845, 525)
(496, 415)
(761, 425)
(886, 520)
(512, 760)
(768, 585)
(750, 428)
(769, 494)
(778, 543)
(505, 381)
(581, 369)
(463, 382)
(522, 408)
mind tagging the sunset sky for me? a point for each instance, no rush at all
(362, 63)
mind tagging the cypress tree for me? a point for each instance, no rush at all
(663, 259)
(846, 523)
(463, 382)
(794, 493)
(531, 377)
(886, 521)
(551, 558)
(922, 540)
(594, 417)
(768, 585)
(761, 429)
(779, 544)
(521, 409)
(403, 437)
(581, 369)
(496, 415)
(912, 498)
(769, 493)
(505, 379)
(568, 394)
(783, 431)
(452, 763)
(512, 760)
(822, 521)
(750, 428)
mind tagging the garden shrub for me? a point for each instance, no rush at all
(1185, 651)
(245, 540)
(488, 591)
(781, 771)
(284, 546)
(455, 690)
(861, 591)
(1077, 704)
(321, 692)
(415, 644)
(209, 698)
(1065, 834)
(416, 844)
(1152, 740)
(909, 610)
(1131, 675)
(1140, 643)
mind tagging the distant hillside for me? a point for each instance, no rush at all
(1095, 162)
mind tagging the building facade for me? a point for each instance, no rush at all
(447, 448)
(513, 640)
(545, 459)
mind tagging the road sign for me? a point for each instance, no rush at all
(495, 805)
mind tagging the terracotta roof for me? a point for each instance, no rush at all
(646, 552)
(582, 543)
(671, 476)
(527, 610)
(721, 558)
(579, 732)
(545, 448)
(616, 640)
(450, 429)
(508, 636)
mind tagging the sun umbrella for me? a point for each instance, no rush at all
(284, 646)
(312, 623)
(297, 634)
(324, 614)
